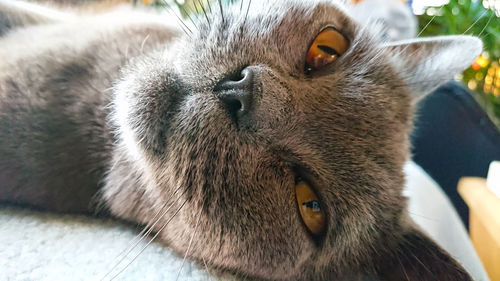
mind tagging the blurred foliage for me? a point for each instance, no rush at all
(477, 18)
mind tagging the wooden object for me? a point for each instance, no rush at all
(484, 208)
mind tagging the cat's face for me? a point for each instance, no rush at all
(229, 180)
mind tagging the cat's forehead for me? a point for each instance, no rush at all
(276, 33)
(293, 13)
(258, 19)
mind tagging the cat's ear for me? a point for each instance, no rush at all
(426, 63)
(416, 258)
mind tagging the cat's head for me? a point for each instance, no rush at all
(225, 134)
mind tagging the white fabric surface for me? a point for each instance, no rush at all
(432, 210)
(40, 246)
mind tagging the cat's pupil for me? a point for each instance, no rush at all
(314, 205)
(237, 76)
(328, 50)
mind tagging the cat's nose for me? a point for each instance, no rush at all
(236, 92)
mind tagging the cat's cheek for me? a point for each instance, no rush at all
(257, 232)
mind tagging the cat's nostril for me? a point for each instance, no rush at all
(236, 92)
(239, 81)
(235, 77)
(231, 104)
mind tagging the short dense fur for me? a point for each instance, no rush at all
(125, 107)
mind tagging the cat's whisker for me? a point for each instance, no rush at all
(196, 7)
(402, 267)
(221, 11)
(425, 82)
(209, 7)
(134, 241)
(425, 217)
(185, 32)
(486, 25)
(206, 267)
(148, 228)
(144, 233)
(183, 25)
(213, 253)
(144, 43)
(403, 50)
(471, 26)
(420, 262)
(246, 14)
(150, 241)
(189, 13)
(205, 13)
(189, 246)
(241, 5)
(431, 80)
(476, 21)
(414, 54)
(430, 21)
(211, 258)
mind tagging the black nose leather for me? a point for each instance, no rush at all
(236, 93)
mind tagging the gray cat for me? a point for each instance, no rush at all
(269, 139)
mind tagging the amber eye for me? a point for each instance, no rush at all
(325, 49)
(310, 208)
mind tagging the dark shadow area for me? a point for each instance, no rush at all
(454, 138)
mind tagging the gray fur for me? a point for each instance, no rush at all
(169, 141)
(16, 14)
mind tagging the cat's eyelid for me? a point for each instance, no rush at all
(340, 31)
